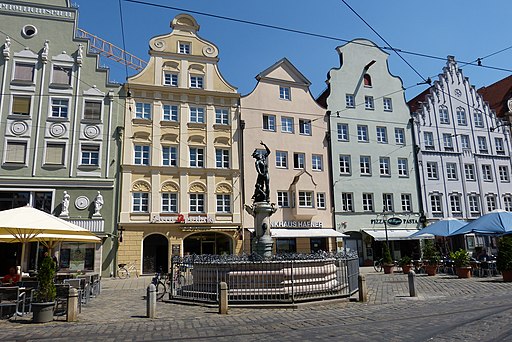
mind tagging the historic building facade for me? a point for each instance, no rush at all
(464, 150)
(374, 182)
(281, 113)
(180, 168)
(58, 140)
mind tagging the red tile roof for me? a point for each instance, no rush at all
(414, 103)
(497, 95)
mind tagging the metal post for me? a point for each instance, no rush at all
(151, 301)
(363, 290)
(386, 229)
(412, 288)
(223, 298)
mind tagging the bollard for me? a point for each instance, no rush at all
(412, 287)
(72, 313)
(223, 298)
(151, 301)
(363, 291)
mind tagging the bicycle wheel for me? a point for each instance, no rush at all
(377, 265)
(122, 273)
(161, 289)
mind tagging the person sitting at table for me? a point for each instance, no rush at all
(12, 278)
(482, 256)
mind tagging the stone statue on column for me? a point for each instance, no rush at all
(98, 204)
(65, 205)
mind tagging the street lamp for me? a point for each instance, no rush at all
(384, 218)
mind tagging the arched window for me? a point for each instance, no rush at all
(367, 80)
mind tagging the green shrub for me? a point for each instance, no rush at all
(387, 255)
(46, 274)
(461, 258)
(504, 260)
(430, 253)
(405, 260)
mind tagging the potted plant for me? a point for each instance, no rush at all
(504, 260)
(387, 260)
(44, 303)
(406, 264)
(431, 257)
(461, 260)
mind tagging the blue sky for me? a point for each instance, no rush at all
(466, 29)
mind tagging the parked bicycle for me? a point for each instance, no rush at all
(377, 265)
(125, 270)
(162, 282)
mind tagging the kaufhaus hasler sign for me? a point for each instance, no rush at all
(39, 11)
(295, 224)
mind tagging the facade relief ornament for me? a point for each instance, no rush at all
(57, 130)
(509, 105)
(91, 131)
(80, 53)
(141, 186)
(7, 47)
(210, 51)
(197, 187)
(64, 212)
(223, 189)
(82, 202)
(46, 48)
(170, 187)
(98, 204)
(19, 127)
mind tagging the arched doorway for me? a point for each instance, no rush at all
(155, 254)
(208, 243)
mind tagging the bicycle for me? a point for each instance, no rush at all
(162, 282)
(377, 265)
(124, 270)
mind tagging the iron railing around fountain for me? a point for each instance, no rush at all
(286, 278)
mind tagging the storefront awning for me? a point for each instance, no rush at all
(298, 233)
(393, 234)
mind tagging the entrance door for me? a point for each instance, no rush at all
(155, 254)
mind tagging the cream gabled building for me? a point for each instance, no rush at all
(180, 168)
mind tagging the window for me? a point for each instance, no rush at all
(305, 127)
(196, 203)
(403, 170)
(55, 154)
(299, 160)
(367, 202)
(469, 171)
(284, 93)
(479, 120)
(169, 156)
(170, 113)
(196, 115)
(222, 158)
(196, 157)
(281, 159)
(461, 116)
(367, 80)
(24, 72)
(455, 203)
(224, 203)
(482, 144)
(474, 204)
(184, 48)
(384, 166)
(141, 155)
(143, 110)
(320, 200)
(342, 132)
(435, 203)
(286, 124)
(60, 108)
(283, 199)
(399, 136)
(507, 202)
(443, 115)
(491, 203)
(347, 201)
(317, 162)
(382, 135)
(21, 105)
(90, 155)
(350, 101)
(92, 110)
(406, 202)
(305, 199)
(451, 171)
(388, 106)
(464, 142)
(503, 171)
(170, 79)
(221, 116)
(169, 202)
(344, 164)
(140, 202)
(447, 142)
(432, 170)
(61, 75)
(269, 122)
(196, 82)
(362, 133)
(286, 245)
(487, 173)
(429, 140)
(500, 148)
(368, 102)
(16, 152)
(387, 202)
(365, 165)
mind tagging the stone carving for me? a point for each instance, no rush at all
(170, 187)
(91, 131)
(81, 202)
(80, 54)
(98, 204)
(210, 51)
(57, 130)
(141, 186)
(7, 47)
(65, 205)
(223, 189)
(19, 127)
(197, 187)
(46, 48)
(262, 189)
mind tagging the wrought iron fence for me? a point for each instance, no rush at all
(286, 278)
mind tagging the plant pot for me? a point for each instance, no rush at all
(406, 268)
(388, 269)
(431, 270)
(507, 276)
(463, 272)
(42, 312)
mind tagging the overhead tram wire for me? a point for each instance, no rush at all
(124, 46)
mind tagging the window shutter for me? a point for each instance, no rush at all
(55, 154)
(16, 152)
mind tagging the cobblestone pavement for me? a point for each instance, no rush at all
(447, 309)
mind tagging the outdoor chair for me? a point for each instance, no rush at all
(79, 286)
(86, 287)
(488, 268)
(12, 299)
(61, 300)
(95, 285)
(30, 287)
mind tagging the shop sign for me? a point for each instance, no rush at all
(296, 224)
(394, 221)
(180, 218)
(46, 12)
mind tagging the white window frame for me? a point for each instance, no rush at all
(478, 118)
(30, 106)
(305, 127)
(320, 200)
(223, 203)
(500, 147)
(368, 202)
(83, 149)
(145, 154)
(169, 155)
(344, 164)
(283, 199)
(365, 165)
(406, 201)
(317, 163)
(222, 158)
(428, 138)
(282, 159)
(436, 204)
(388, 202)
(504, 175)
(299, 160)
(285, 93)
(387, 104)
(444, 115)
(384, 167)
(461, 117)
(196, 203)
(221, 116)
(465, 142)
(170, 79)
(451, 171)
(184, 48)
(399, 136)
(60, 107)
(199, 157)
(342, 130)
(448, 141)
(347, 202)
(287, 124)
(169, 201)
(350, 101)
(455, 203)
(96, 101)
(306, 199)
(487, 172)
(432, 170)
(170, 112)
(269, 121)
(24, 142)
(469, 172)
(491, 202)
(61, 66)
(196, 82)
(403, 167)
(143, 110)
(369, 103)
(482, 144)
(382, 134)
(196, 115)
(33, 64)
(362, 133)
(507, 202)
(474, 204)
(140, 202)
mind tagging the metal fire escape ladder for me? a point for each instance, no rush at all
(111, 51)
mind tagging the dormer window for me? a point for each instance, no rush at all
(284, 93)
(184, 48)
(367, 80)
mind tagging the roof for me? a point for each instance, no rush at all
(497, 95)
(284, 62)
(415, 102)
